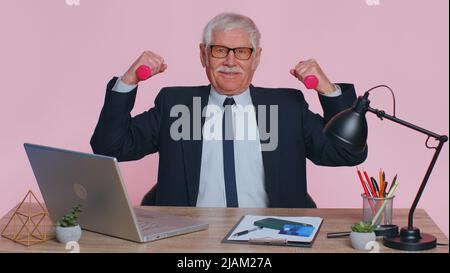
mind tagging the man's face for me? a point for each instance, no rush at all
(230, 75)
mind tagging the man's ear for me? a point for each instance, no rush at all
(202, 55)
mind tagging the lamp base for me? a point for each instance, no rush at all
(411, 240)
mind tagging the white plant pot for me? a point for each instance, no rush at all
(360, 239)
(67, 234)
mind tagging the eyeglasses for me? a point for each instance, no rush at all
(241, 53)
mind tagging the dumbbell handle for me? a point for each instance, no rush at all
(143, 72)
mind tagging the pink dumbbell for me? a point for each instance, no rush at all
(310, 81)
(143, 72)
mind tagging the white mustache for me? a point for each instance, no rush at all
(226, 69)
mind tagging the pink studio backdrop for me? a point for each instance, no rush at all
(55, 61)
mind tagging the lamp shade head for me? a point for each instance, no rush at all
(349, 127)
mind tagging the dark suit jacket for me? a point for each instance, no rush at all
(300, 137)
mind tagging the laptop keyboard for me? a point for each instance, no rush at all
(147, 222)
(146, 225)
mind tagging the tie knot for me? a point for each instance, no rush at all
(228, 101)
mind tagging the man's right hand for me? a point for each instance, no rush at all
(148, 58)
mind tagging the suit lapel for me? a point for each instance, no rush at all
(192, 149)
(271, 159)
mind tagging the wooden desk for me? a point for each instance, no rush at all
(221, 221)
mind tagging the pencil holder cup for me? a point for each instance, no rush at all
(377, 206)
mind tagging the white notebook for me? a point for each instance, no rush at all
(271, 236)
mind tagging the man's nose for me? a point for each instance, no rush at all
(230, 60)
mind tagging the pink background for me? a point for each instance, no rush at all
(55, 61)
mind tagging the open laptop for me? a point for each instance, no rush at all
(67, 178)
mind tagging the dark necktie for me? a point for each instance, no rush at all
(228, 154)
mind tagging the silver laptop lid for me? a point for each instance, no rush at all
(67, 178)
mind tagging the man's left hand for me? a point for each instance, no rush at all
(311, 67)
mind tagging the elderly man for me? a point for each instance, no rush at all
(226, 172)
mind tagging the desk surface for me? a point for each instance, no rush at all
(221, 221)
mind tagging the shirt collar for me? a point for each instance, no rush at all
(242, 99)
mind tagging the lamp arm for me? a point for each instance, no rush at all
(441, 138)
(381, 114)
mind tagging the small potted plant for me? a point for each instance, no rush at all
(67, 228)
(362, 233)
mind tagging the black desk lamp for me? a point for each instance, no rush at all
(349, 128)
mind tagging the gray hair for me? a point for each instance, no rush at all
(228, 21)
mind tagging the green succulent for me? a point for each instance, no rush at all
(70, 219)
(364, 227)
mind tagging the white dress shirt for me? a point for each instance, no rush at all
(249, 166)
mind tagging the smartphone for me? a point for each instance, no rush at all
(278, 224)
